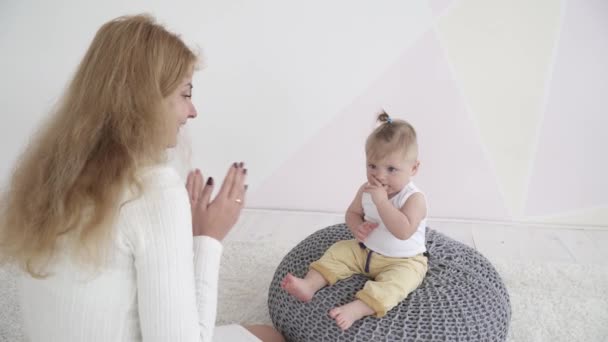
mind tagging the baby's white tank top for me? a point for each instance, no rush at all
(381, 240)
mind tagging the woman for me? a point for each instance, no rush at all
(113, 246)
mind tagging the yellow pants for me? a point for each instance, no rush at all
(393, 279)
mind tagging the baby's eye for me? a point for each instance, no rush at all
(371, 166)
(188, 96)
(391, 169)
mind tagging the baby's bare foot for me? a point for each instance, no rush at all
(297, 287)
(343, 318)
(347, 314)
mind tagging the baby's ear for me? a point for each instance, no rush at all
(415, 168)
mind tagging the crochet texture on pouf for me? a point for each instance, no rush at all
(462, 298)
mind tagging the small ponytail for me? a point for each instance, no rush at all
(384, 118)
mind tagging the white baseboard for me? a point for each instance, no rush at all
(476, 221)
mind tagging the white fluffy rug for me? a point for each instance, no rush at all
(550, 301)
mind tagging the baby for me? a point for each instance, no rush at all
(388, 219)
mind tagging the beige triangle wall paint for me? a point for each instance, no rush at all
(500, 53)
(571, 164)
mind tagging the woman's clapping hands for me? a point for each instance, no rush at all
(216, 217)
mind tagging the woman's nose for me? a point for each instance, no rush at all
(192, 113)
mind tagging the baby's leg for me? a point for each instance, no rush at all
(304, 289)
(340, 261)
(347, 314)
(394, 280)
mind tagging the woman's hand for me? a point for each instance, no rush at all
(215, 218)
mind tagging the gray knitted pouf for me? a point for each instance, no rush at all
(462, 298)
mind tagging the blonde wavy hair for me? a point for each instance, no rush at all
(112, 119)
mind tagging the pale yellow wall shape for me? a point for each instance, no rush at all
(501, 53)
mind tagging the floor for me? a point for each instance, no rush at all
(494, 240)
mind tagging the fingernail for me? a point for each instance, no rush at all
(246, 187)
(235, 165)
(244, 171)
(241, 164)
(210, 181)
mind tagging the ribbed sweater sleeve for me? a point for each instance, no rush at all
(177, 275)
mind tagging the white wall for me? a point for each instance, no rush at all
(508, 97)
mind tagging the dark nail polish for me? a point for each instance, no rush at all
(235, 165)
(241, 164)
(210, 181)
(246, 187)
(244, 171)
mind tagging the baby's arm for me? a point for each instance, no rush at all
(402, 223)
(354, 213)
(354, 218)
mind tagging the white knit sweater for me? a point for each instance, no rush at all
(155, 288)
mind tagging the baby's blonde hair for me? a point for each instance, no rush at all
(112, 119)
(393, 135)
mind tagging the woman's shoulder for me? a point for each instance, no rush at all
(156, 207)
(153, 184)
(159, 190)
(159, 177)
